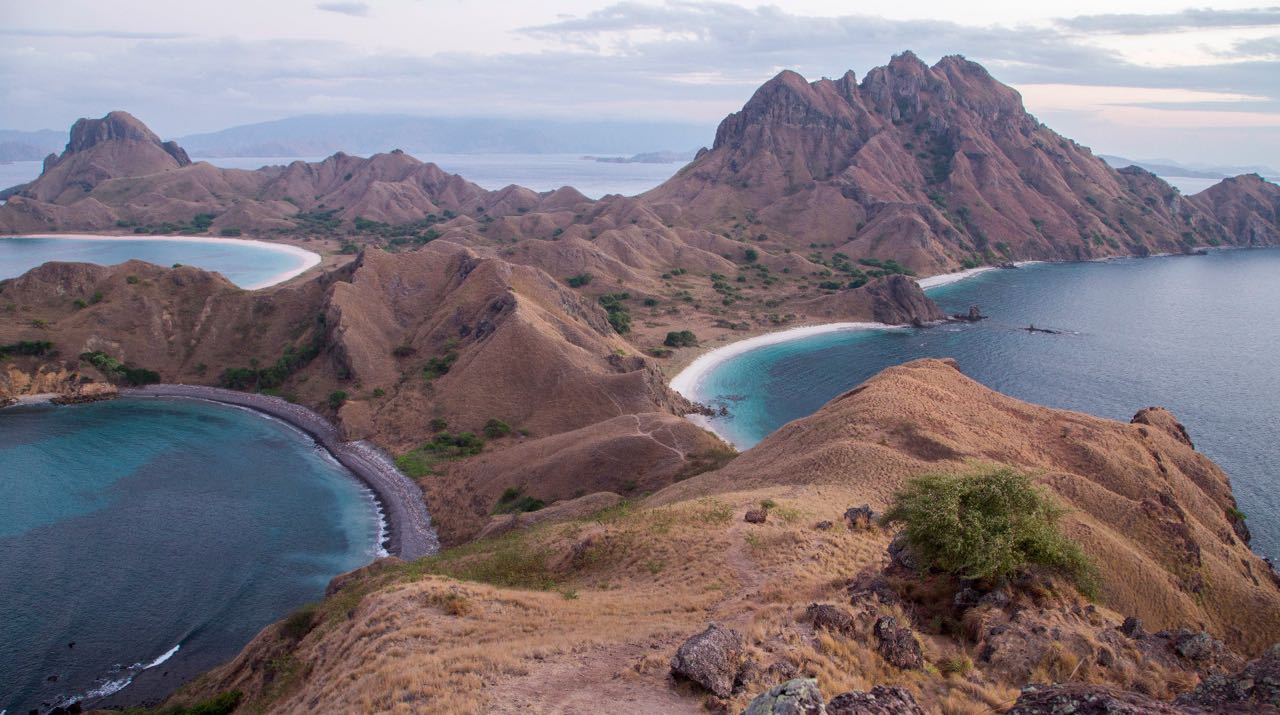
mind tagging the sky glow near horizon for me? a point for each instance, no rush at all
(1141, 78)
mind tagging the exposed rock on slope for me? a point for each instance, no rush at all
(100, 149)
(936, 167)
(1157, 514)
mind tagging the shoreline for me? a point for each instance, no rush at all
(309, 259)
(408, 523)
(686, 382)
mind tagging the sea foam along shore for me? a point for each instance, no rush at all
(306, 259)
(411, 533)
(687, 381)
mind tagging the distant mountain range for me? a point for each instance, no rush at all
(30, 146)
(1168, 167)
(648, 157)
(322, 135)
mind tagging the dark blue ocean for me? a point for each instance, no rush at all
(135, 527)
(1197, 334)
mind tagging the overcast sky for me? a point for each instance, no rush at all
(1141, 78)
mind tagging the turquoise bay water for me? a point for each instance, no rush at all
(136, 526)
(243, 263)
(1197, 334)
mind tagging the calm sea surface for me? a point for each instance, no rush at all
(246, 264)
(1197, 334)
(161, 533)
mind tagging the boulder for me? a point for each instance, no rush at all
(860, 518)
(870, 586)
(832, 618)
(898, 645)
(1084, 699)
(756, 516)
(711, 659)
(1132, 627)
(1255, 688)
(1197, 646)
(794, 697)
(881, 700)
(901, 554)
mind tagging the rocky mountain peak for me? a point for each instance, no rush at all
(119, 126)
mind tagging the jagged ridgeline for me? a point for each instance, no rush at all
(510, 348)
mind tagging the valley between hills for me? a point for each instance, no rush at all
(512, 349)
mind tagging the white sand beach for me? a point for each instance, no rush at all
(306, 259)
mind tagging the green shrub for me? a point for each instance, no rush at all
(681, 339)
(463, 444)
(751, 255)
(438, 424)
(514, 500)
(579, 280)
(619, 316)
(495, 428)
(26, 347)
(133, 280)
(116, 371)
(987, 524)
(336, 398)
(299, 623)
(230, 232)
(255, 378)
(438, 366)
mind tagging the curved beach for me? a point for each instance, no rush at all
(687, 380)
(410, 533)
(306, 259)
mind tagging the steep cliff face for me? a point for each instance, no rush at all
(936, 167)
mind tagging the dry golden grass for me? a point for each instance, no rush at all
(562, 617)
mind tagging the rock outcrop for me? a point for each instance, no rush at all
(1090, 700)
(880, 700)
(794, 697)
(1255, 688)
(712, 659)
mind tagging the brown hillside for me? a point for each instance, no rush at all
(560, 617)
(936, 167)
(1156, 514)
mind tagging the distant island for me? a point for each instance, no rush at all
(650, 157)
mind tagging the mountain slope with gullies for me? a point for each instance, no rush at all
(937, 168)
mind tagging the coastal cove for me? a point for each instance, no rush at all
(146, 540)
(1195, 334)
(249, 264)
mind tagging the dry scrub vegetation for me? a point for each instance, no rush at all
(564, 616)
